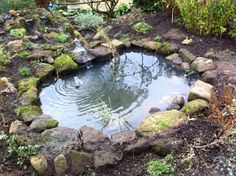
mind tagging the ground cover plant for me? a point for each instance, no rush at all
(142, 27)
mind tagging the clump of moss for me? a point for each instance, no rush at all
(61, 37)
(19, 32)
(26, 84)
(23, 54)
(195, 107)
(42, 70)
(167, 48)
(31, 96)
(26, 111)
(65, 63)
(4, 59)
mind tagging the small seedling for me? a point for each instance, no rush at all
(24, 71)
(157, 38)
(159, 168)
(142, 27)
(23, 54)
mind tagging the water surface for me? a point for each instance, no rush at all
(114, 96)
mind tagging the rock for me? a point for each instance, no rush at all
(117, 44)
(42, 123)
(29, 97)
(175, 34)
(43, 70)
(141, 145)
(17, 127)
(93, 44)
(15, 46)
(60, 165)
(40, 54)
(210, 76)
(93, 139)
(202, 64)
(179, 100)
(174, 106)
(153, 110)
(185, 66)
(106, 158)
(59, 140)
(65, 63)
(200, 90)
(174, 58)
(7, 87)
(124, 137)
(27, 83)
(166, 145)
(147, 44)
(167, 48)
(78, 161)
(195, 107)
(186, 55)
(161, 121)
(100, 52)
(28, 113)
(40, 164)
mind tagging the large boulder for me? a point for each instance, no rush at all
(200, 90)
(162, 121)
(59, 140)
(79, 161)
(195, 107)
(202, 64)
(40, 164)
(186, 55)
(28, 113)
(65, 63)
(42, 123)
(93, 139)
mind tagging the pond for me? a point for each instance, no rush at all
(116, 95)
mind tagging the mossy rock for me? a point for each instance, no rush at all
(29, 97)
(147, 44)
(43, 70)
(64, 63)
(28, 113)
(195, 107)
(26, 84)
(167, 48)
(42, 123)
(40, 164)
(69, 28)
(162, 121)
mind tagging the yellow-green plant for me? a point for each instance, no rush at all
(209, 17)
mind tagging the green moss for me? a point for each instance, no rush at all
(23, 54)
(45, 136)
(42, 70)
(26, 84)
(166, 48)
(31, 95)
(161, 121)
(51, 123)
(61, 37)
(65, 63)
(195, 107)
(69, 28)
(4, 59)
(19, 32)
(26, 111)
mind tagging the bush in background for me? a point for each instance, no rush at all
(86, 21)
(150, 5)
(6, 5)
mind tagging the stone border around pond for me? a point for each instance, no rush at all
(66, 150)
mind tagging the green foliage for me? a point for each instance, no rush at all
(61, 37)
(74, 13)
(4, 59)
(159, 168)
(22, 152)
(142, 27)
(20, 32)
(157, 38)
(24, 71)
(27, 45)
(86, 21)
(7, 5)
(233, 27)
(150, 5)
(209, 17)
(23, 54)
(121, 9)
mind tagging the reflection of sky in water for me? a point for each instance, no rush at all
(128, 88)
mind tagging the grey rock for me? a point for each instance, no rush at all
(17, 127)
(42, 123)
(175, 34)
(210, 76)
(179, 100)
(186, 55)
(141, 145)
(60, 165)
(174, 58)
(202, 64)
(100, 53)
(185, 66)
(174, 106)
(124, 137)
(152, 110)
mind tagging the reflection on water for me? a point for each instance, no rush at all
(114, 96)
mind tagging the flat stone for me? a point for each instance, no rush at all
(123, 137)
(202, 64)
(174, 58)
(195, 107)
(15, 46)
(100, 53)
(147, 44)
(93, 139)
(210, 76)
(59, 140)
(17, 127)
(106, 158)
(185, 66)
(40, 54)
(186, 55)
(175, 34)
(60, 165)
(42, 123)
(200, 90)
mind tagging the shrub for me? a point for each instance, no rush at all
(122, 9)
(88, 20)
(206, 17)
(7, 5)
(20, 32)
(24, 71)
(142, 27)
(158, 168)
(150, 5)
(61, 37)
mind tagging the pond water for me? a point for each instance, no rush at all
(116, 95)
